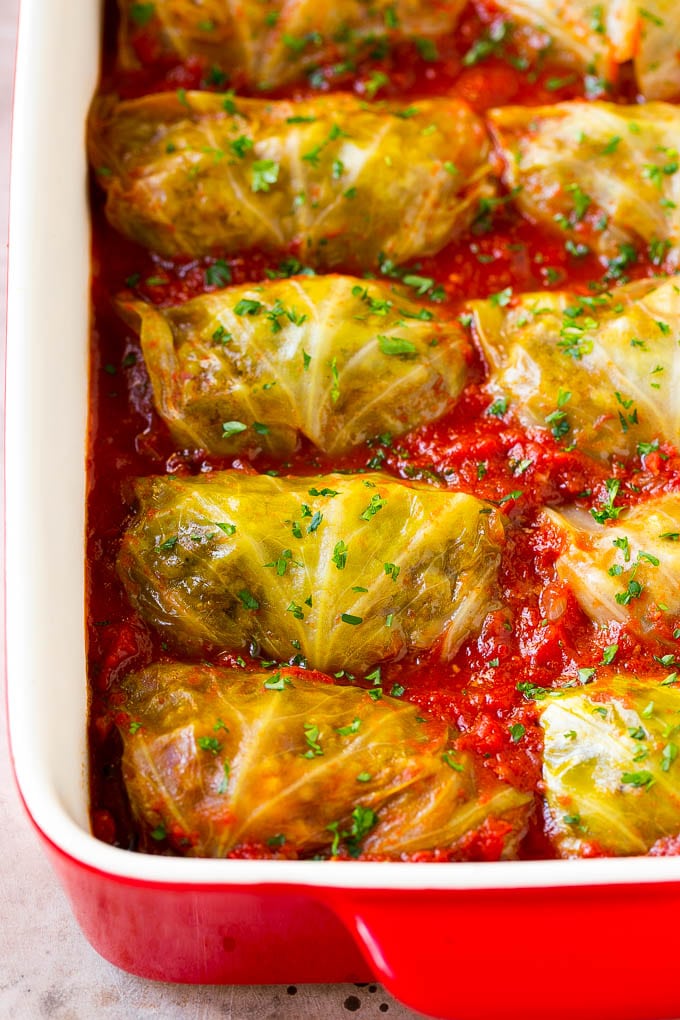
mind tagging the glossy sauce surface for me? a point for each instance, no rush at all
(540, 637)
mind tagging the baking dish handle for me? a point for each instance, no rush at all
(520, 954)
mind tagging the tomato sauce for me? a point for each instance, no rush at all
(539, 636)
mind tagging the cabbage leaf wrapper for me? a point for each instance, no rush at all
(657, 55)
(345, 570)
(215, 758)
(335, 358)
(269, 42)
(610, 769)
(339, 179)
(589, 37)
(612, 167)
(598, 38)
(625, 571)
(600, 371)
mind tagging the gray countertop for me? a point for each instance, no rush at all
(47, 969)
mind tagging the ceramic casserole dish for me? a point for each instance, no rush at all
(470, 941)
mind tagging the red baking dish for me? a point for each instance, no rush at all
(473, 940)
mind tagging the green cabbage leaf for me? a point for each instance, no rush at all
(577, 162)
(342, 180)
(600, 371)
(299, 356)
(592, 37)
(269, 42)
(628, 569)
(215, 758)
(344, 570)
(657, 55)
(597, 38)
(610, 769)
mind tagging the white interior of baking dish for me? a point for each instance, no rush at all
(47, 379)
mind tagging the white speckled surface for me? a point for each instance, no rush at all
(47, 969)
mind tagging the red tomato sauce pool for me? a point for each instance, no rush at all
(540, 636)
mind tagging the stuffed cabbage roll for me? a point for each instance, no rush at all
(603, 173)
(612, 782)
(345, 570)
(299, 356)
(602, 372)
(657, 54)
(214, 758)
(342, 180)
(592, 37)
(627, 570)
(597, 38)
(268, 42)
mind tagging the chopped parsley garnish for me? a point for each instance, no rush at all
(363, 820)
(354, 621)
(639, 779)
(488, 44)
(142, 14)
(311, 731)
(211, 744)
(397, 345)
(517, 731)
(228, 529)
(276, 682)
(265, 172)
(247, 306)
(340, 555)
(241, 146)
(608, 511)
(609, 654)
(532, 692)
(218, 275)
(376, 504)
(249, 601)
(448, 757)
(498, 408)
(346, 731)
(296, 610)
(232, 428)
